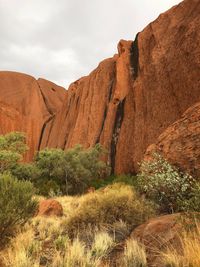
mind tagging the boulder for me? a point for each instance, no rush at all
(161, 233)
(50, 207)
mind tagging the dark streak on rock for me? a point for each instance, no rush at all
(116, 130)
(42, 131)
(134, 57)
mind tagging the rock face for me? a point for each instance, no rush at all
(28, 105)
(50, 207)
(130, 99)
(180, 142)
(125, 103)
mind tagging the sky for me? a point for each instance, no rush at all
(63, 40)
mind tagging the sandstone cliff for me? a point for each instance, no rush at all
(125, 103)
(28, 105)
(130, 99)
(180, 142)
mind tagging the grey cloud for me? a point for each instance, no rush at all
(64, 40)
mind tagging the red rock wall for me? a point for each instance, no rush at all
(130, 99)
(27, 105)
(180, 142)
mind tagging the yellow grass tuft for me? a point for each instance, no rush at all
(134, 255)
(24, 251)
(188, 255)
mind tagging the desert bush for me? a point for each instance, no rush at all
(70, 170)
(166, 185)
(12, 148)
(193, 203)
(114, 203)
(134, 255)
(16, 204)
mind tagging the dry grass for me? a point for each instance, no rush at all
(134, 255)
(24, 251)
(106, 216)
(106, 207)
(188, 255)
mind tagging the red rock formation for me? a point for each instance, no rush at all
(27, 105)
(130, 99)
(180, 142)
(93, 103)
(157, 234)
(161, 233)
(126, 102)
(50, 207)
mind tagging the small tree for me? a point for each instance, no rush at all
(12, 147)
(16, 204)
(72, 169)
(165, 184)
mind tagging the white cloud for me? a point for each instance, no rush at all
(64, 40)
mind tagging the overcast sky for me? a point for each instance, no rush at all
(62, 40)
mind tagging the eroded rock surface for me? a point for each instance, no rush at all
(130, 99)
(28, 105)
(180, 142)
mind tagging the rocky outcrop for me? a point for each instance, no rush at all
(93, 109)
(130, 99)
(28, 105)
(180, 142)
(50, 207)
(125, 103)
(162, 233)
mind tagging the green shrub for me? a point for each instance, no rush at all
(99, 182)
(48, 188)
(16, 204)
(193, 203)
(72, 170)
(12, 148)
(114, 203)
(166, 185)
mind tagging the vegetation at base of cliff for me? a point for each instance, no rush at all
(70, 171)
(106, 207)
(43, 241)
(12, 148)
(164, 184)
(96, 226)
(123, 178)
(48, 241)
(16, 205)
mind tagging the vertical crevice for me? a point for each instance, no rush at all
(134, 58)
(48, 119)
(42, 131)
(116, 130)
